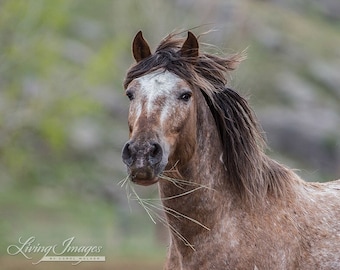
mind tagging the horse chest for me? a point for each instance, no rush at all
(236, 244)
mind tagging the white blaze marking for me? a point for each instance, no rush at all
(155, 85)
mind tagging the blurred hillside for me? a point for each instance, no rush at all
(63, 111)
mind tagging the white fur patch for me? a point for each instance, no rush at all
(155, 85)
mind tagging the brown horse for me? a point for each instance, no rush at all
(228, 205)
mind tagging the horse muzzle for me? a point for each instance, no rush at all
(144, 161)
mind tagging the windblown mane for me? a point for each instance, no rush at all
(250, 171)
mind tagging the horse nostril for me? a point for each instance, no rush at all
(156, 153)
(126, 154)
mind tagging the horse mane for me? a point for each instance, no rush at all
(250, 171)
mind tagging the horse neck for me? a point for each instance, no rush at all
(203, 199)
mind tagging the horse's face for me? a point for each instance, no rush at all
(161, 123)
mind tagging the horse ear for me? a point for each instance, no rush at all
(140, 47)
(190, 46)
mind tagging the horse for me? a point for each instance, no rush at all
(227, 204)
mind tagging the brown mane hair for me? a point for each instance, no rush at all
(252, 174)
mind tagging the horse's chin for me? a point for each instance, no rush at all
(146, 176)
(145, 182)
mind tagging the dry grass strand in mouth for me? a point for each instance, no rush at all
(147, 206)
(141, 202)
(176, 214)
(180, 182)
(147, 203)
(172, 228)
(173, 168)
(123, 182)
(151, 207)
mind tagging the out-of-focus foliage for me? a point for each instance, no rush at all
(61, 68)
(53, 70)
(63, 111)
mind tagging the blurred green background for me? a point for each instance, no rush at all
(63, 111)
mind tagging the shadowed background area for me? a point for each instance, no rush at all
(63, 112)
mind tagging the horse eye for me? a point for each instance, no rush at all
(129, 95)
(185, 96)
